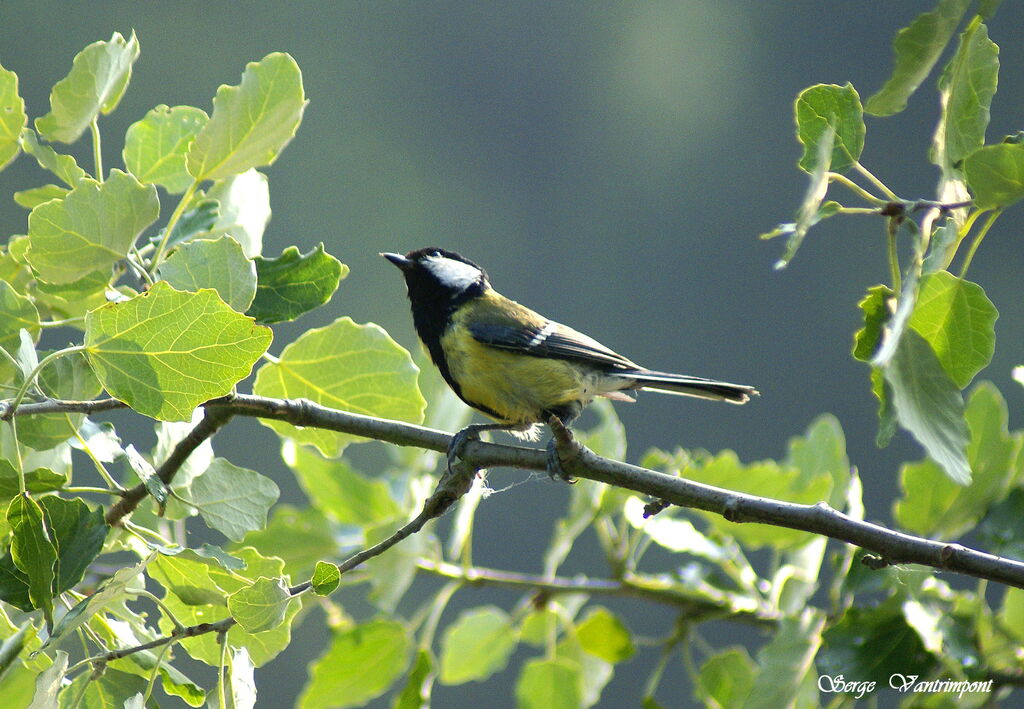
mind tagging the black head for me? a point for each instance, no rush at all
(438, 276)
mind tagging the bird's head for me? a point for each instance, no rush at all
(436, 274)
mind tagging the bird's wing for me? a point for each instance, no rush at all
(548, 339)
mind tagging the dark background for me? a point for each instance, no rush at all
(611, 164)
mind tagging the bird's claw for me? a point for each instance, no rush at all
(458, 444)
(554, 464)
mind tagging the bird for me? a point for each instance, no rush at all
(516, 366)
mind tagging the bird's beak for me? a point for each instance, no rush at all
(401, 261)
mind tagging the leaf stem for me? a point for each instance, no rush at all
(894, 258)
(62, 323)
(436, 609)
(171, 223)
(977, 241)
(16, 402)
(875, 181)
(855, 188)
(97, 148)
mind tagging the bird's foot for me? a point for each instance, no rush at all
(463, 437)
(562, 444)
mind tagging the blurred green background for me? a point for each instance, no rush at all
(610, 164)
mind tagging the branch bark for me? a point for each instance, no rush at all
(892, 546)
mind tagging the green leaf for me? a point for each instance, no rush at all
(261, 605)
(345, 366)
(63, 166)
(155, 147)
(16, 312)
(726, 679)
(196, 222)
(165, 352)
(12, 117)
(966, 88)
(825, 106)
(251, 122)
(219, 264)
(594, 672)
(875, 306)
(49, 683)
(218, 583)
(77, 533)
(549, 684)
(602, 634)
(786, 661)
(873, 643)
(477, 645)
(935, 506)
(95, 84)
(32, 550)
(811, 206)
(416, 693)
(233, 500)
(928, 404)
(294, 283)
(70, 378)
(38, 480)
(75, 299)
(326, 578)
(92, 228)
(672, 531)
(958, 321)
(113, 690)
(299, 537)
(32, 198)
(995, 175)
(244, 209)
(243, 681)
(917, 47)
(764, 478)
(1000, 532)
(361, 664)
(124, 582)
(338, 490)
(1012, 613)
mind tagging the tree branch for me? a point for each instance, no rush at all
(894, 547)
(693, 607)
(212, 421)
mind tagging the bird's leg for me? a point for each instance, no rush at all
(471, 433)
(561, 439)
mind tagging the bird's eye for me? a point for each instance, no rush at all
(435, 252)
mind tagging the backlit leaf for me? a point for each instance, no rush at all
(233, 500)
(361, 663)
(477, 645)
(995, 175)
(12, 117)
(251, 122)
(155, 147)
(345, 366)
(165, 352)
(917, 47)
(218, 264)
(92, 228)
(95, 84)
(827, 106)
(958, 321)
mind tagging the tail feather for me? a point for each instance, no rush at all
(690, 386)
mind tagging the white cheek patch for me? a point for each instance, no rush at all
(450, 272)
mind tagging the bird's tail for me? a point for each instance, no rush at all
(690, 386)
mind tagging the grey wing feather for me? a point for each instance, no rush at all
(549, 340)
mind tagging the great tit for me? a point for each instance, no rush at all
(516, 366)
